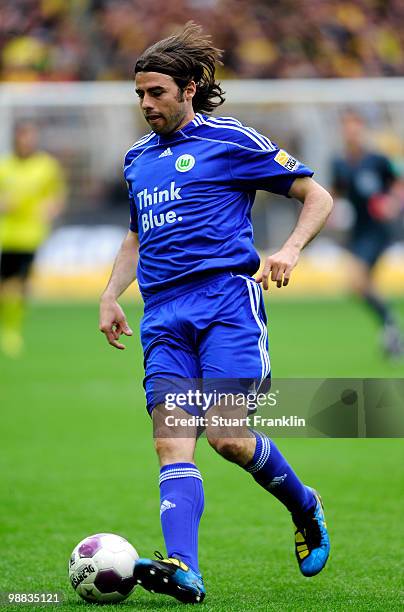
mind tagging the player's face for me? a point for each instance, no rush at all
(353, 130)
(25, 140)
(164, 105)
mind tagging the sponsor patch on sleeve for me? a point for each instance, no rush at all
(287, 161)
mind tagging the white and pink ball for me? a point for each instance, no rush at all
(101, 568)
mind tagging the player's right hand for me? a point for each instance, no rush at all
(113, 322)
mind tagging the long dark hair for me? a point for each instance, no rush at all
(187, 56)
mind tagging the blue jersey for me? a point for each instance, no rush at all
(191, 194)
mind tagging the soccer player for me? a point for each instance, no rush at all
(367, 180)
(32, 194)
(192, 182)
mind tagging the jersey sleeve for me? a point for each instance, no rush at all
(133, 224)
(265, 166)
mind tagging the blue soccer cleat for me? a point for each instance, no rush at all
(170, 577)
(312, 544)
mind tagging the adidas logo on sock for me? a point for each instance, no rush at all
(166, 152)
(275, 482)
(166, 505)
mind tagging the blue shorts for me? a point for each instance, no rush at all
(212, 332)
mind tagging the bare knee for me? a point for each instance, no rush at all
(12, 287)
(237, 450)
(174, 450)
(173, 444)
(359, 279)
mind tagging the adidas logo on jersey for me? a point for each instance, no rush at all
(166, 505)
(166, 152)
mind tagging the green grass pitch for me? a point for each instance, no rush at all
(77, 458)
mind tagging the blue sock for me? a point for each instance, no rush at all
(182, 502)
(271, 470)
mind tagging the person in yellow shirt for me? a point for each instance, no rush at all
(32, 195)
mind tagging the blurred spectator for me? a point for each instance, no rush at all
(100, 39)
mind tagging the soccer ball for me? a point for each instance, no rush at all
(101, 568)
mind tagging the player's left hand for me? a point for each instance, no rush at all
(279, 266)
